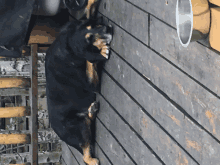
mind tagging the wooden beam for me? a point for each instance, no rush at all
(14, 138)
(14, 82)
(33, 120)
(42, 34)
(14, 112)
(44, 135)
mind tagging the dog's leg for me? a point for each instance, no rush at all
(87, 156)
(92, 74)
(87, 147)
(91, 8)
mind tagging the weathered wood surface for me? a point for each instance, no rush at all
(128, 138)
(67, 155)
(165, 113)
(110, 146)
(14, 82)
(144, 127)
(199, 103)
(14, 112)
(78, 155)
(44, 136)
(201, 63)
(103, 159)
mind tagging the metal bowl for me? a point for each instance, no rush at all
(184, 21)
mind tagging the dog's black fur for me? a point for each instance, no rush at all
(69, 92)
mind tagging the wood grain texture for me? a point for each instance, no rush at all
(132, 144)
(173, 120)
(196, 60)
(67, 155)
(78, 155)
(194, 99)
(14, 138)
(110, 146)
(101, 156)
(14, 82)
(144, 127)
(127, 16)
(14, 112)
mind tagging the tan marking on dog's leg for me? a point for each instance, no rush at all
(92, 73)
(90, 8)
(87, 156)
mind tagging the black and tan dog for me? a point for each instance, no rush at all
(72, 81)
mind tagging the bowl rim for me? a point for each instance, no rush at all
(177, 23)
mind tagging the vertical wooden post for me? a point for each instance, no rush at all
(34, 106)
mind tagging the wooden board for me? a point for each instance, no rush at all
(103, 159)
(14, 82)
(110, 146)
(126, 136)
(196, 101)
(165, 113)
(67, 155)
(145, 130)
(197, 61)
(33, 121)
(133, 20)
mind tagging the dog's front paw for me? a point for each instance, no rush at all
(92, 161)
(105, 51)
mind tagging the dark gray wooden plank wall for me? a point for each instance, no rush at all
(173, 89)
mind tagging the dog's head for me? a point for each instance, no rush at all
(91, 36)
(83, 9)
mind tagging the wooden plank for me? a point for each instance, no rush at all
(200, 104)
(110, 146)
(77, 154)
(33, 122)
(199, 62)
(128, 139)
(127, 16)
(164, 10)
(14, 138)
(144, 126)
(14, 112)
(42, 35)
(67, 155)
(45, 157)
(14, 82)
(181, 128)
(101, 156)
